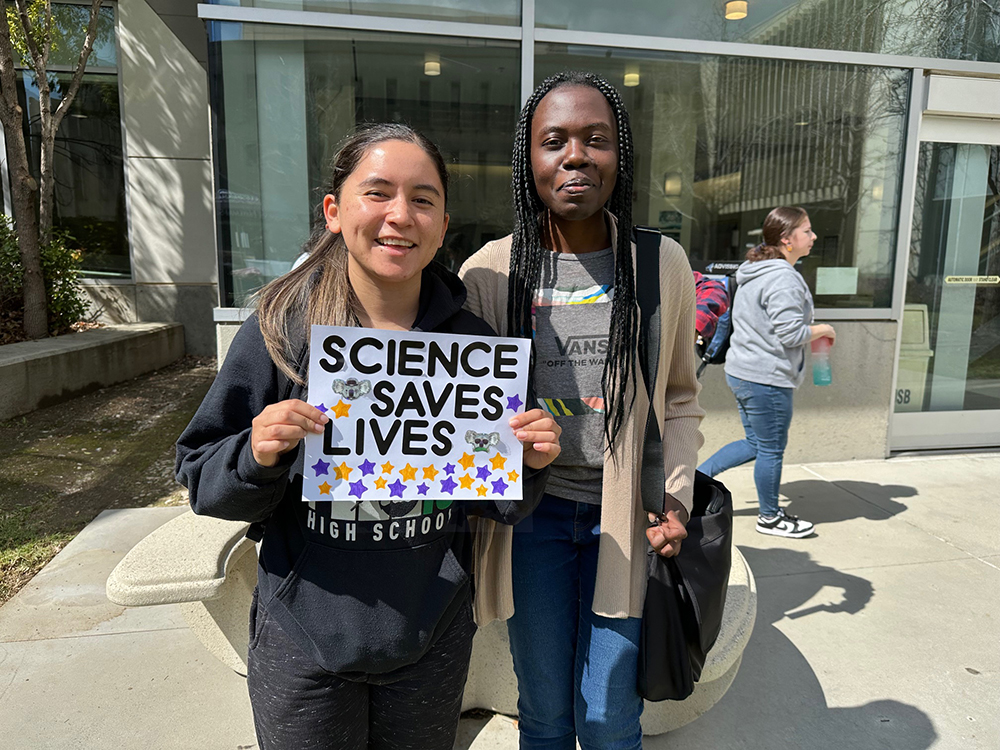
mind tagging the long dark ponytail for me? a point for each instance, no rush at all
(526, 248)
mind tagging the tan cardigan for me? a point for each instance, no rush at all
(621, 568)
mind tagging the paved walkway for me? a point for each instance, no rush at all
(880, 632)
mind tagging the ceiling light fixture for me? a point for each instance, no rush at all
(672, 184)
(631, 75)
(432, 64)
(736, 9)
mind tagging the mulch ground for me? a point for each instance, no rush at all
(114, 448)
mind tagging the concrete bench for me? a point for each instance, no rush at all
(207, 567)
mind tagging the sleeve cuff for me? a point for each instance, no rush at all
(252, 472)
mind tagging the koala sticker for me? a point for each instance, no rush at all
(352, 388)
(481, 441)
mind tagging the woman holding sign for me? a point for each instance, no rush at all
(361, 625)
(565, 278)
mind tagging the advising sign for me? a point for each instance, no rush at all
(414, 415)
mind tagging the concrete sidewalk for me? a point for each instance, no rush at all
(880, 632)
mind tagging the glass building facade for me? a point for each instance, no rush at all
(720, 138)
(736, 107)
(88, 164)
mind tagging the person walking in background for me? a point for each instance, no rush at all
(565, 278)
(356, 640)
(772, 324)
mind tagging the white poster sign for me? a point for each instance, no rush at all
(414, 416)
(830, 280)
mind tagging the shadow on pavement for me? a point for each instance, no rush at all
(777, 701)
(818, 501)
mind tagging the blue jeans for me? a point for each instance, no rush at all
(766, 412)
(576, 671)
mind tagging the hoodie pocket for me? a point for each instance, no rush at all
(373, 611)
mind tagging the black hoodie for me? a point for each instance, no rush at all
(362, 588)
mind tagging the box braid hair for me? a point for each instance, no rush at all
(526, 260)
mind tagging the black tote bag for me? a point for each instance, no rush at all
(686, 597)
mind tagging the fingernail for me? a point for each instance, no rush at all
(521, 435)
(318, 427)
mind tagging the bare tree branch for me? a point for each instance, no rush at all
(74, 85)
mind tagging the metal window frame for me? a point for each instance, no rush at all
(530, 36)
(526, 31)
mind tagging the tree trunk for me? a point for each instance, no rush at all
(24, 195)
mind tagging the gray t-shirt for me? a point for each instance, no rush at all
(572, 315)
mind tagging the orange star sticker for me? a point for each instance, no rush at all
(324, 489)
(408, 472)
(380, 483)
(430, 472)
(497, 462)
(512, 476)
(343, 471)
(387, 468)
(481, 489)
(466, 461)
(341, 409)
(465, 482)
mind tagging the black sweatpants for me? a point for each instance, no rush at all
(296, 704)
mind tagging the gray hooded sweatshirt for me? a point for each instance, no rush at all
(772, 312)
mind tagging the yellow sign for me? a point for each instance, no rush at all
(972, 279)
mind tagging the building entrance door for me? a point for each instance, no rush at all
(948, 377)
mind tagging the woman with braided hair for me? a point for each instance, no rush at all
(572, 585)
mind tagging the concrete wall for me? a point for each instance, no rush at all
(168, 182)
(846, 420)
(40, 373)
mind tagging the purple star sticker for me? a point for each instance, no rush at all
(322, 408)
(396, 489)
(514, 402)
(321, 467)
(449, 469)
(358, 489)
(422, 488)
(499, 486)
(448, 485)
(367, 467)
(483, 473)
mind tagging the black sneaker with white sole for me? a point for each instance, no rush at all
(785, 525)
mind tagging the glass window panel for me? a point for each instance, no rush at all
(89, 200)
(286, 96)
(949, 357)
(499, 12)
(952, 29)
(70, 26)
(720, 141)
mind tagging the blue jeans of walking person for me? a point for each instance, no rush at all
(576, 671)
(766, 413)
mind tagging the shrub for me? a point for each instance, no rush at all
(60, 267)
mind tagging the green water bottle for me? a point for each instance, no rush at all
(822, 374)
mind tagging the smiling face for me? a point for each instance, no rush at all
(574, 152)
(799, 242)
(390, 213)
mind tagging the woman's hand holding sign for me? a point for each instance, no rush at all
(280, 427)
(539, 435)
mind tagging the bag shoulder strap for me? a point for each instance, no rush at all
(647, 292)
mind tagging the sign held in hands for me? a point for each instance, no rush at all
(414, 415)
